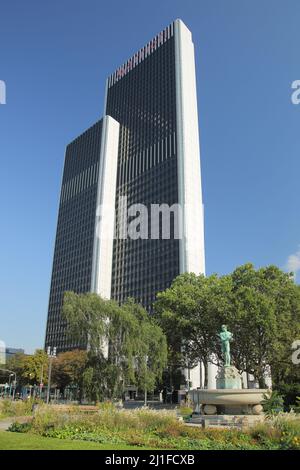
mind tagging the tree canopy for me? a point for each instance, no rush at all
(29, 369)
(125, 346)
(261, 308)
(68, 368)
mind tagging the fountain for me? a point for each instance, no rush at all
(229, 402)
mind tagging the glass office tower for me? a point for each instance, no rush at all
(75, 244)
(150, 157)
(153, 97)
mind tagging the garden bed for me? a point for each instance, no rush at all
(144, 428)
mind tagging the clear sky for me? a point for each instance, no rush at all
(54, 58)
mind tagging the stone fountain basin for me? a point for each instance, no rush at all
(229, 396)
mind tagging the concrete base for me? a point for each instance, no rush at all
(223, 421)
(228, 401)
(228, 377)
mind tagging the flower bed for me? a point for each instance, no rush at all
(157, 429)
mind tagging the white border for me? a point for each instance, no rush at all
(191, 246)
(106, 195)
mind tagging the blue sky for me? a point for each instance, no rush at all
(54, 58)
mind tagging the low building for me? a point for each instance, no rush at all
(10, 352)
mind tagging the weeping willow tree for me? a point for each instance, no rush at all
(125, 346)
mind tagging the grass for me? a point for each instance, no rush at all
(17, 441)
(112, 428)
(140, 428)
(10, 408)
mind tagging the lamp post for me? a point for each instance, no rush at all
(31, 376)
(146, 370)
(14, 388)
(41, 381)
(51, 355)
(11, 374)
(10, 384)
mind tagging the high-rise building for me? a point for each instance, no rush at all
(153, 97)
(81, 192)
(148, 163)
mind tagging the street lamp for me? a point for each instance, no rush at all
(41, 381)
(146, 371)
(10, 384)
(11, 374)
(31, 376)
(51, 355)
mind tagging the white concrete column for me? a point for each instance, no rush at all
(212, 372)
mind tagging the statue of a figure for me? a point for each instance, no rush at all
(225, 337)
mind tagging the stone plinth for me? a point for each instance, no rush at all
(228, 377)
(231, 421)
(228, 401)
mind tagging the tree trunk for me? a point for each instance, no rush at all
(261, 382)
(205, 364)
(260, 377)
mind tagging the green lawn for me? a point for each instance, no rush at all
(20, 441)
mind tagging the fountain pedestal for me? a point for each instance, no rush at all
(228, 377)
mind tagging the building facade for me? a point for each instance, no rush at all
(75, 250)
(10, 352)
(149, 161)
(153, 97)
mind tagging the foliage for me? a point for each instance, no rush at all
(19, 427)
(125, 344)
(278, 432)
(185, 411)
(189, 314)
(16, 408)
(290, 393)
(261, 308)
(29, 369)
(296, 407)
(68, 368)
(265, 319)
(159, 430)
(272, 404)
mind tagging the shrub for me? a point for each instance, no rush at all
(290, 393)
(185, 411)
(279, 432)
(272, 403)
(159, 429)
(16, 408)
(296, 407)
(20, 427)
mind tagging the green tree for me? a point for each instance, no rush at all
(189, 313)
(29, 368)
(119, 339)
(261, 308)
(68, 369)
(149, 355)
(265, 319)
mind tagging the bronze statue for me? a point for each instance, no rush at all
(225, 337)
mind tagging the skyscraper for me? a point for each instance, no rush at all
(150, 160)
(153, 97)
(81, 192)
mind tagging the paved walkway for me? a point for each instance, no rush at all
(6, 423)
(132, 404)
